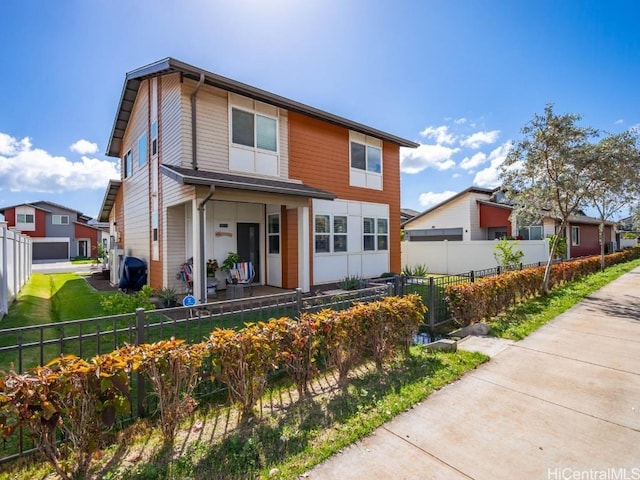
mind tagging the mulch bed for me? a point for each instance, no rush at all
(99, 282)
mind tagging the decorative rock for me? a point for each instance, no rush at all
(477, 329)
(273, 472)
(444, 345)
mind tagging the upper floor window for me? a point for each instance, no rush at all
(365, 161)
(24, 218)
(254, 130)
(154, 138)
(127, 165)
(142, 150)
(60, 219)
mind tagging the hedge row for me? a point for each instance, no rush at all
(80, 398)
(485, 298)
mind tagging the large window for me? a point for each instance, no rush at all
(330, 233)
(575, 235)
(254, 130)
(24, 218)
(533, 232)
(127, 165)
(375, 234)
(366, 157)
(273, 233)
(60, 219)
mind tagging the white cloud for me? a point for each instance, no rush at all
(415, 160)
(456, 175)
(472, 162)
(460, 121)
(430, 199)
(84, 147)
(619, 122)
(439, 134)
(23, 168)
(490, 176)
(477, 139)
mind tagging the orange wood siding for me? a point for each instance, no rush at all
(319, 156)
(10, 217)
(290, 249)
(494, 217)
(41, 225)
(91, 233)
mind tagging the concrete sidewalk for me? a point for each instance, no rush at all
(562, 403)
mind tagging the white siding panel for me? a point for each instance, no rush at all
(171, 120)
(283, 123)
(213, 127)
(475, 232)
(454, 214)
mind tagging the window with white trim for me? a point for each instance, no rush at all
(330, 233)
(532, 232)
(575, 235)
(250, 129)
(366, 157)
(60, 219)
(365, 161)
(273, 233)
(322, 233)
(375, 234)
(24, 218)
(126, 164)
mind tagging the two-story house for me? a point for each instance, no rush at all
(211, 166)
(57, 232)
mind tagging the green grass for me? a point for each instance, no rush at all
(528, 316)
(83, 261)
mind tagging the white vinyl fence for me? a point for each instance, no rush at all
(628, 242)
(15, 266)
(453, 257)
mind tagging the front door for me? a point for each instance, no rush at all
(249, 245)
(83, 248)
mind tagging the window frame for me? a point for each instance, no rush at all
(127, 165)
(255, 127)
(26, 218)
(60, 217)
(575, 235)
(367, 146)
(371, 240)
(271, 235)
(330, 235)
(154, 138)
(143, 146)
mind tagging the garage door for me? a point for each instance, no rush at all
(50, 251)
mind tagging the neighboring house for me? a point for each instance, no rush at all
(212, 166)
(481, 214)
(407, 214)
(57, 232)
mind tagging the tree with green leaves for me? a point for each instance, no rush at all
(550, 171)
(616, 178)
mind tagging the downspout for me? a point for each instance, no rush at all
(202, 267)
(194, 154)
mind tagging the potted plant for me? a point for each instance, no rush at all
(212, 267)
(229, 264)
(168, 297)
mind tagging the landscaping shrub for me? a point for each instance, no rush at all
(71, 394)
(172, 368)
(120, 303)
(487, 297)
(242, 359)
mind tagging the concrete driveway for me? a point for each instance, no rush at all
(563, 403)
(62, 266)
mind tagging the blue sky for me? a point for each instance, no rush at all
(459, 76)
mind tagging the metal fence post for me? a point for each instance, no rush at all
(140, 339)
(397, 283)
(472, 276)
(432, 307)
(390, 289)
(299, 301)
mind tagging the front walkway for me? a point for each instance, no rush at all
(563, 403)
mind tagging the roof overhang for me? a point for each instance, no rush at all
(109, 200)
(186, 176)
(167, 66)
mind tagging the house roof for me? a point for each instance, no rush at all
(169, 65)
(187, 176)
(495, 204)
(573, 219)
(487, 191)
(27, 204)
(108, 200)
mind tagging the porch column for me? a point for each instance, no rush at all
(304, 255)
(195, 248)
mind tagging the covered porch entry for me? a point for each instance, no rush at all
(265, 221)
